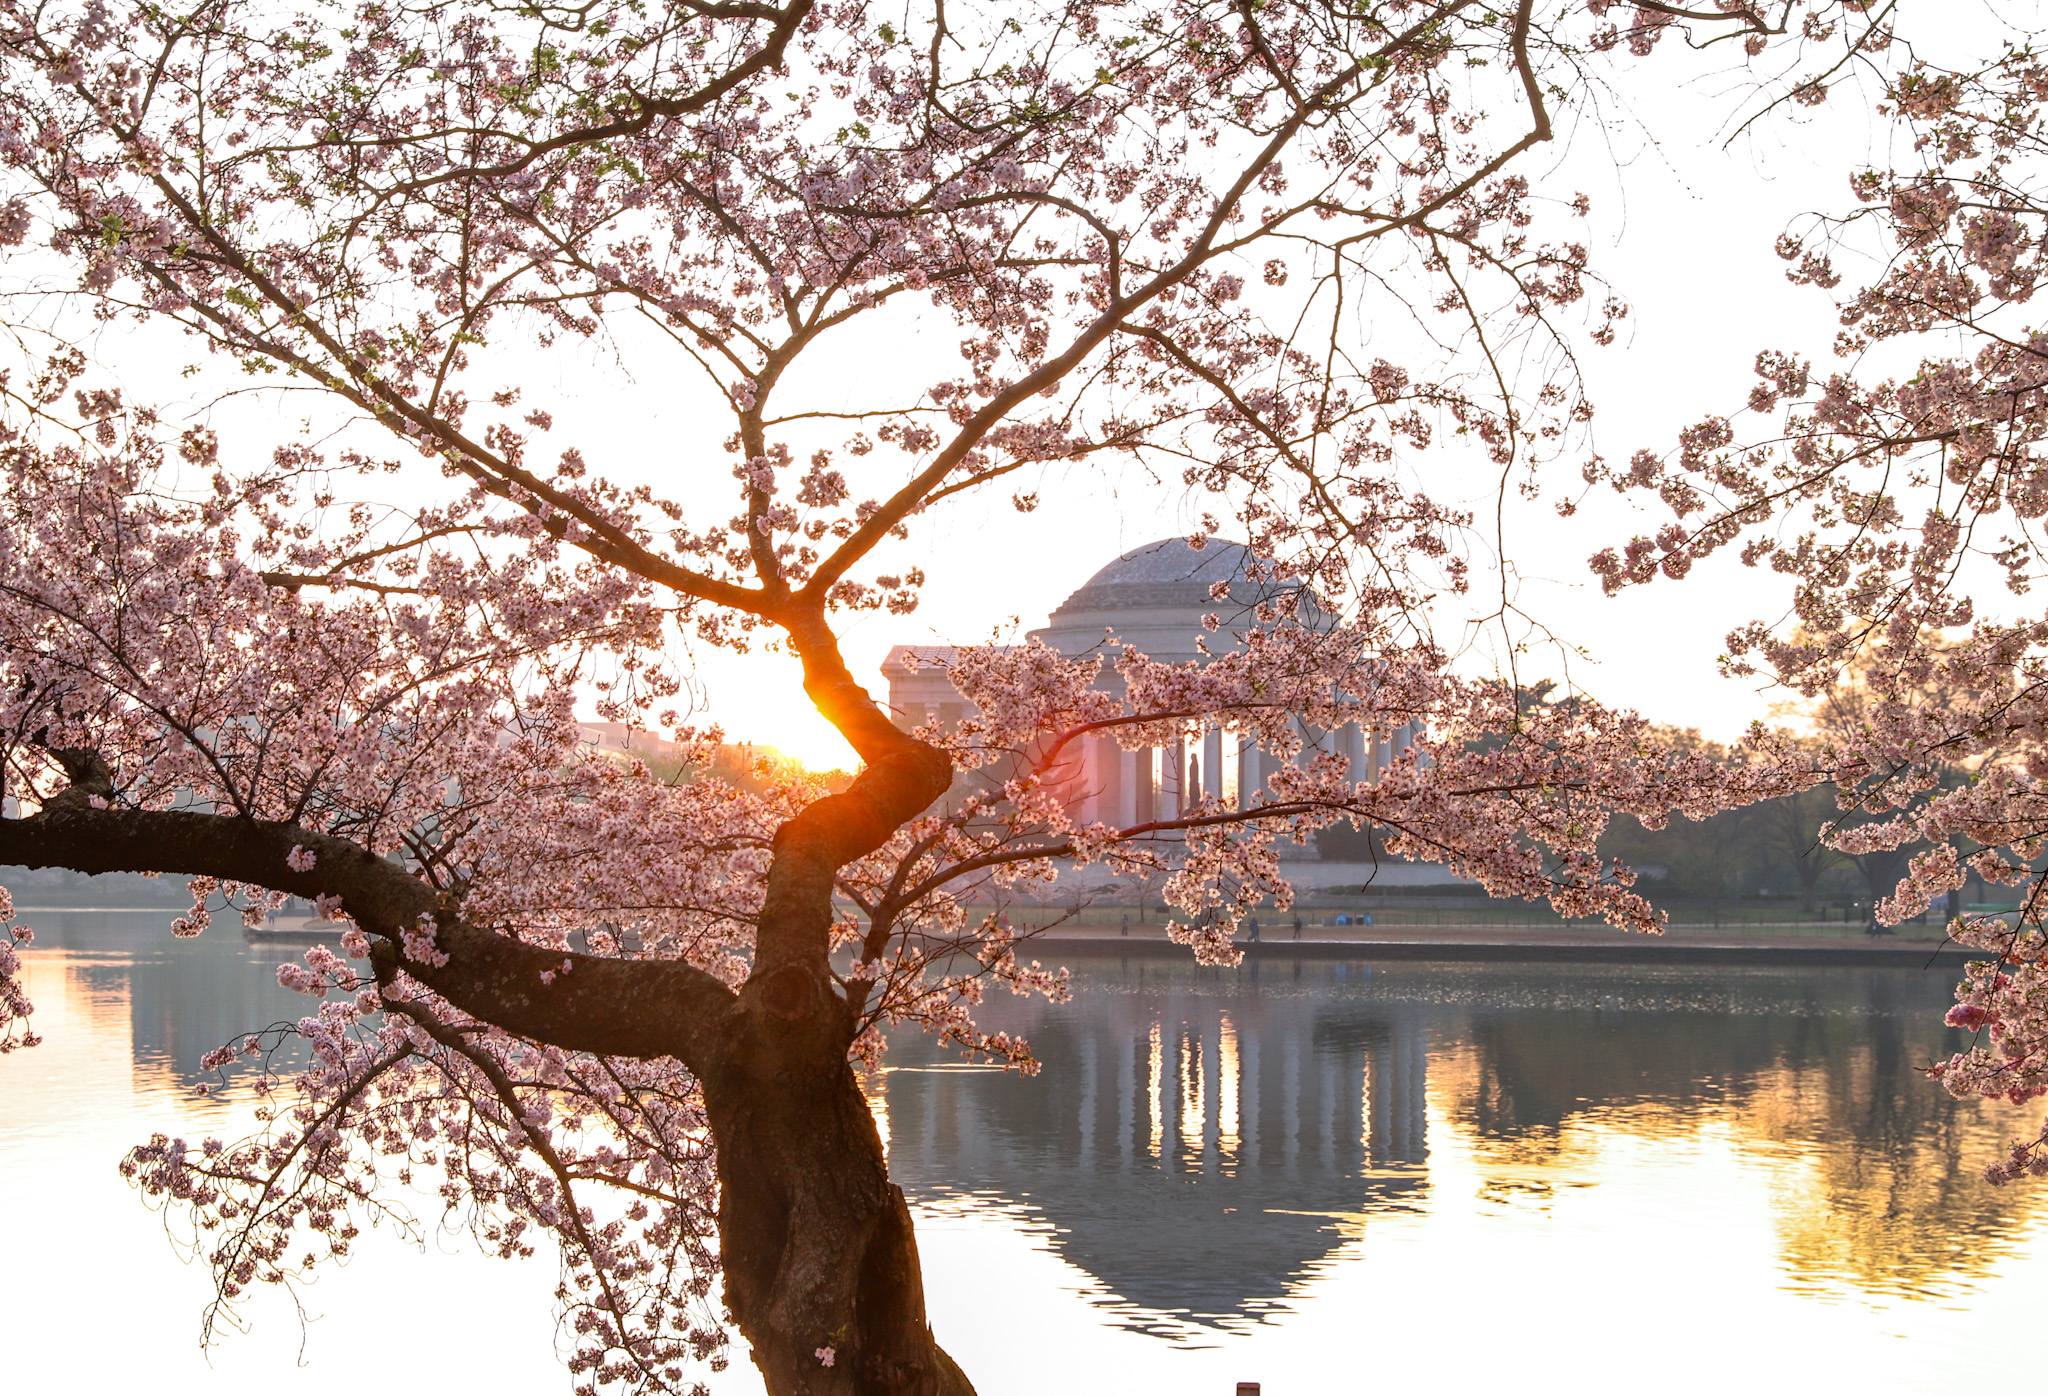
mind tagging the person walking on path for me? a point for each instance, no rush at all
(1252, 929)
(1127, 925)
(1297, 925)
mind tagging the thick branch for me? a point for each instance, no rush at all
(626, 1008)
(901, 777)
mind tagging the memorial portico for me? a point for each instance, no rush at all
(1153, 598)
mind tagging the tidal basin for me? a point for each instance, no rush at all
(1322, 1174)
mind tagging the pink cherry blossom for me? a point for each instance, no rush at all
(585, 1001)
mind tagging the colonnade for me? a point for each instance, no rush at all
(1121, 788)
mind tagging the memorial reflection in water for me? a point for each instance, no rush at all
(1265, 1167)
(1189, 1138)
(1202, 1141)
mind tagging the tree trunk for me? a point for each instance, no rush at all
(821, 1270)
(821, 1266)
(1881, 872)
(1809, 870)
(818, 1247)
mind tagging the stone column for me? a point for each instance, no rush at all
(1212, 763)
(1314, 742)
(1172, 780)
(1106, 768)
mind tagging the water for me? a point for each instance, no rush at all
(1324, 1176)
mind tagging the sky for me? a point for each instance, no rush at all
(1682, 227)
(1683, 230)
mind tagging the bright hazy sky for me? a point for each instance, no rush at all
(1684, 232)
(1682, 229)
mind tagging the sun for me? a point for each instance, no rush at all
(809, 740)
(781, 717)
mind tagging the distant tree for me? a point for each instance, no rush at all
(1708, 857)
(1839, 718)
(1794, 825)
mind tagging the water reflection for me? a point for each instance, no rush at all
(1270, 1164)
(126, 1013)
(1201, 1142)
(1188, 1141)
(123, 975)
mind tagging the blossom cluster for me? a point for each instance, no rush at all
(1513, 799)
(514, 1142)
(15, 1007)
(1901, 492)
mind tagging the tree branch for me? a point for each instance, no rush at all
(625, 1008)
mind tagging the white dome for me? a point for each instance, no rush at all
(1171, 563)
(1155, 597)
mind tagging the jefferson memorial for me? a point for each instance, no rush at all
(1154, 598)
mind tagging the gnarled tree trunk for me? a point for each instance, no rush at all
(820, 1257)
(821, 1267)
(819, 1253)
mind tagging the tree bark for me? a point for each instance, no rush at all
(820, 1255)
(819, 1252)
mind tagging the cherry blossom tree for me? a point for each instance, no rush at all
(595, 1005)
(1901, 491)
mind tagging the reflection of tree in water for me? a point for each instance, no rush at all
(1899, 1205)
(1891, 1201)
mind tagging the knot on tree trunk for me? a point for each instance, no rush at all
(790, 993)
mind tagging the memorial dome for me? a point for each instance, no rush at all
(1155, 596)
(1169, 572)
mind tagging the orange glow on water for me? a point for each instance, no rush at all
(1296, 1166)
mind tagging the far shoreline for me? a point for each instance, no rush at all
(1475, 944)
(1486, 945)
